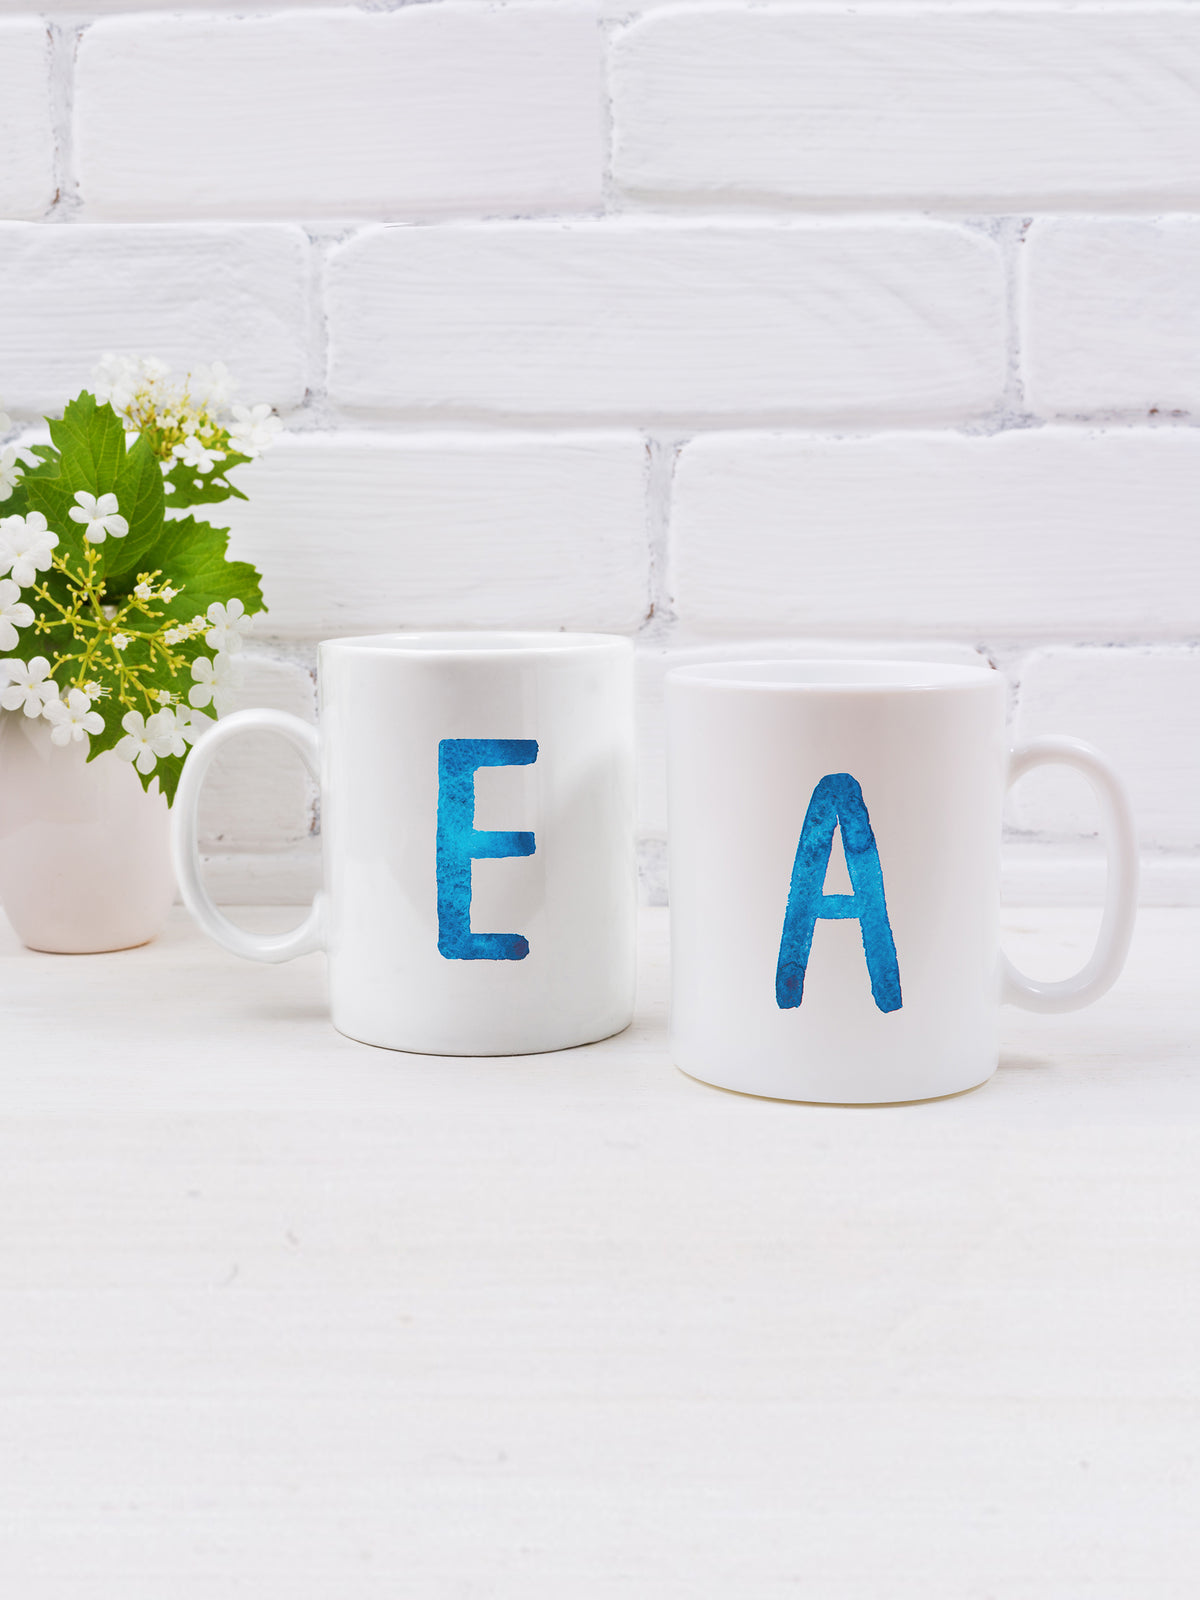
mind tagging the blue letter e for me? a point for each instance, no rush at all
(837, 801)
(459, 843)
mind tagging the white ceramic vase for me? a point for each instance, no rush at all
(85, 860)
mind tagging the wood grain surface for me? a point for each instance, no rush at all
(286, 1316)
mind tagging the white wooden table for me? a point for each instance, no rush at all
(286, 1316)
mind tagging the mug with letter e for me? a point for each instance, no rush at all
(477, 829)
(834, 832)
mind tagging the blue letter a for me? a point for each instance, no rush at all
(837, 801)
(459, 842)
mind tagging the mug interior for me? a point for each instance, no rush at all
(833, 675)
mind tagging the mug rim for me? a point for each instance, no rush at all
(820, 675)
(422, 644)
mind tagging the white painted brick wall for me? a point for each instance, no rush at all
(1045, 107)
(654, 319)
(26, 118)
(668, 340)
(1141, 706)
(426, 110)
(1033, 533)
(1113, 315)
(188, 294)
(257, 795)
(361, 533)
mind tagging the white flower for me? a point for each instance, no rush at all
(120, 641)
(138, 744)
(191, 723)
(92, 689)
(146, 739)
(163, 697)
(25, 546)
(72, 718)
(200, 457)
(165, 738)
(14, 613)
(102, 516)
(27, 688)
(10, 471)
(142, 591)
(230, 624)
(253, 429)
(215, 682)
(14, 458)
(167, 593)
(120, 379)
(115, 380)
(211, 386)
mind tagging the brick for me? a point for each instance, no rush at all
(1141, 707)
(257, 795)
(1047, 873)
(264, 877)
(1112, 319)
(922, 107)
(1031, 534)
(655, 661)
(26, 129)
(188, 295)
(101, 8)
(665, 319)
(371, 532)
(427, 110)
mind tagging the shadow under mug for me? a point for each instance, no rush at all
(477, 830)
(890, 991)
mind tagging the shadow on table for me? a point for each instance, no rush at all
(1010, 1062)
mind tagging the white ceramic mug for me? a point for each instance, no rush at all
(884, 982)
(477, 828)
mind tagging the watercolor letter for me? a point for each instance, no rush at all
(837, 802)
(459, 843)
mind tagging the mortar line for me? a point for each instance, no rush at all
(64, 38)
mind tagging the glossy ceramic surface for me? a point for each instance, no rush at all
(835, 877)
(85, 861)
(478, 839)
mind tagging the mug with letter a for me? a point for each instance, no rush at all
(835, 877)
(477, 835)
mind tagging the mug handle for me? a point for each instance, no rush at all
(186, 849)
(1104, 965)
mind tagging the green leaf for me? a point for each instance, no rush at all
(54, 499)
(191, 556)
(89, 454)
(18, 504)
(167, 772)
(91, 443)
(190, 488)
(139, 492)
(92, 457)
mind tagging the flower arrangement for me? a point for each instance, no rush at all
(136, 612)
